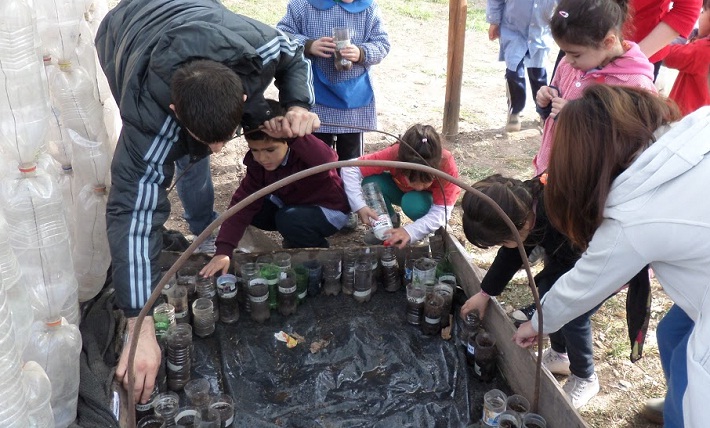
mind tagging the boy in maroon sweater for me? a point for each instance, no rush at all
(305, 212)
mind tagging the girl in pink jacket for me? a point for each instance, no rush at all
(589, 32)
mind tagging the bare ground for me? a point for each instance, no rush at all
(410, 88)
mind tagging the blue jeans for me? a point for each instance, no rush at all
(515, 80)
(575, 337)
(196, 193)
(672, 334)
(414, 204)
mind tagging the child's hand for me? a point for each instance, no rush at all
(219, 263)
(479, 302)
(397, 237)
(557, 104)
(493, 32)
(351, 53)
(545, 95)
(367, 215)
(526, 335)
(323, 47)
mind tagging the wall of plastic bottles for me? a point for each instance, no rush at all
(58, 128)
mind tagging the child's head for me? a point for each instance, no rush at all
(704, 20)
(208, 99)
(268, 151)
(589, 31)
(422, 145)
(483, 226)
(587, 157)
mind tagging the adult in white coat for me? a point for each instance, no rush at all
(631, 190)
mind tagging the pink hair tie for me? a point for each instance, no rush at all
(563, 14)
(424, 140)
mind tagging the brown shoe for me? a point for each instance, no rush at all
(653, 410)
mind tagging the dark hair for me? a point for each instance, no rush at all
(208, 98)
(587, 22)
(275, 110)
(420, 144)
(596, 138)
(482, 225)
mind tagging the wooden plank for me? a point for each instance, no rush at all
(517, 365)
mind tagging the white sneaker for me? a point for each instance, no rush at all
(555, 362)
(513, 124)
(581, 390)
(207, 246)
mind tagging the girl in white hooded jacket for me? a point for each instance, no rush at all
(630, 190)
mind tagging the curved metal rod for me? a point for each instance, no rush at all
(295, 177)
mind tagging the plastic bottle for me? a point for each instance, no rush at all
(39, 392)
(90, 253)
(17, 295)
(58, 25)
(390, 270)
(24, 108)
(72, 93)
(38, 234)
(13, 410)
(56, 346)
(374, 199)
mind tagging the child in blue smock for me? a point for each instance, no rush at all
(343, 97)
(525, 40)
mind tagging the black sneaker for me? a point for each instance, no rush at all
(523, 314)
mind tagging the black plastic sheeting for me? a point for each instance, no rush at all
(376, 370)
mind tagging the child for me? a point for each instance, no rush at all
(423, 198)
(571, 348)
(690, 89)
(644, 202)
(589, 31)
(525, 41)
(303, 217)
(343, 97)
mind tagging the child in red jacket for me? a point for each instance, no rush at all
(690, 90)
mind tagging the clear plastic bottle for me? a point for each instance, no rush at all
(39, 236)
(332, 272)
(228, 299)
(73, 94)
(39, 391)
(390, 270)
(288, 295)
(56, 346)
(374, 199)
(17, 295)
(13, 409)
(179, 363)
(91, 253)
(59, 26)
(24, 96)
(349, 260)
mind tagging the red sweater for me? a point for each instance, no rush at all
(324, 189)
(646, 14)
(690, 89)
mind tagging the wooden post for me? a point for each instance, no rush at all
(454, 66)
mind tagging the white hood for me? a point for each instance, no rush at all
(677, 150)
